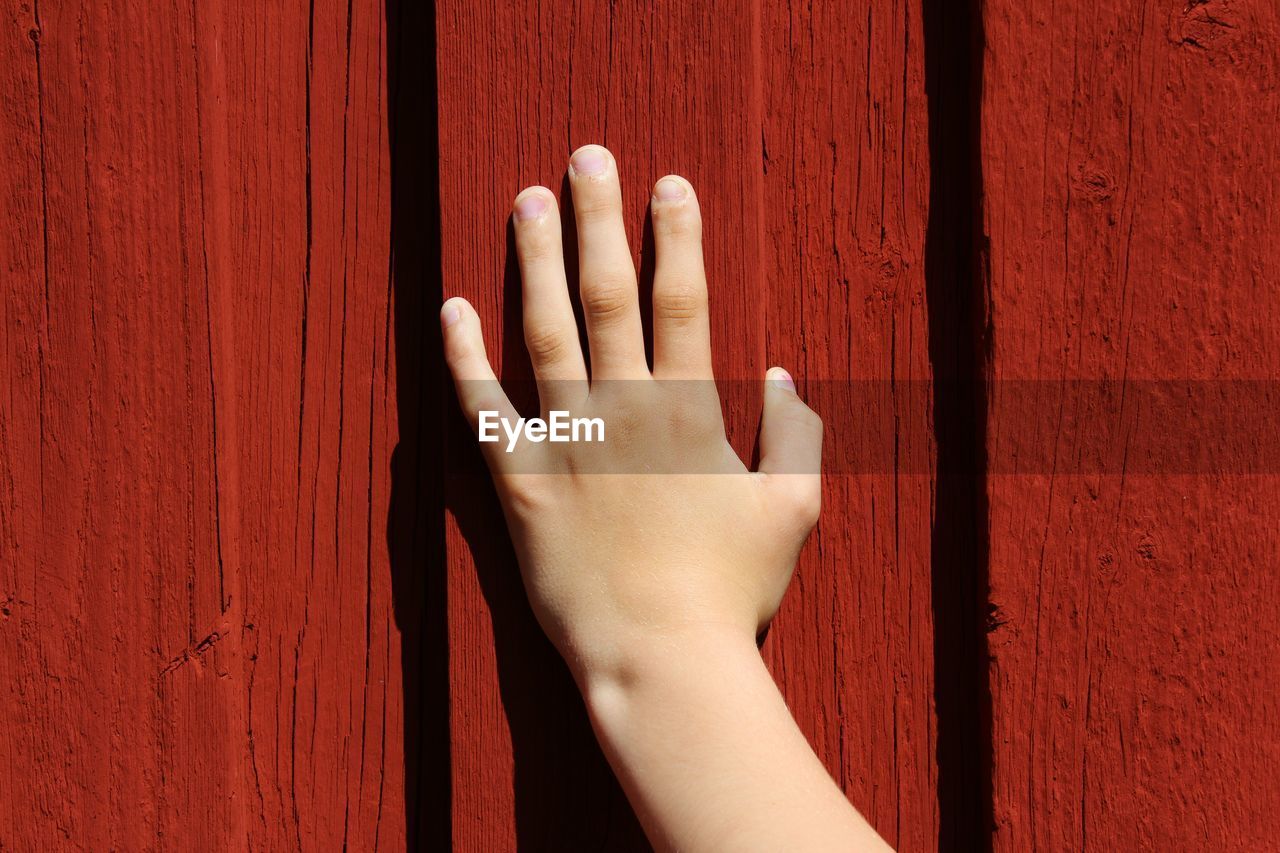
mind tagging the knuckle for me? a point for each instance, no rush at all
(608, 298)
(628, 421)
(693, 406)
(804, 418)
(803, 499)
(680, 225)
(814, 420)
(545, 344)
(536, 247)
(629, 425)
(809, 507)
(680, 300)
(598, 206)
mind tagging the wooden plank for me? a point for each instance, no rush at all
(845, 155)
(197, 639)
(520, 86)
(301, 342)
(723, 94)
(223, 621)
(1129, 157)
(113, 712)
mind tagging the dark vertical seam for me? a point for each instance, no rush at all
(416, 514)
(302, 405)
(960, 339)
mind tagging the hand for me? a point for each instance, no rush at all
(612, 554)
(652, 559)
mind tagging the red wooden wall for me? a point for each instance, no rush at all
(1131, 174)
(254, 588)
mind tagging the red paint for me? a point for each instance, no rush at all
(844, 210)
(255, 591)
(197, 644)
(716, 93)
(1129, 158)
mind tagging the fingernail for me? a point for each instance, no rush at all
(530, 206)
(669, 189)
(450, 314)
(588, 161)
(782, 379)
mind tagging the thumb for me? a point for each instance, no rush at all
(791, 444)
(477, 386)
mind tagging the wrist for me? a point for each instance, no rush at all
(663, 662)
(685, 722)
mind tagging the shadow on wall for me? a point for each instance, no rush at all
(415, 523)
(959, 341)
(565, 796)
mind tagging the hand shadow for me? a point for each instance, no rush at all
(565, 797)
(415, 520)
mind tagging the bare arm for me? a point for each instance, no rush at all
(653, 558)
(710, 756)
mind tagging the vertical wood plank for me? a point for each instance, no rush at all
(199, 639)
(815, 224)
(846, 183)
(301, 341)
(111, 583)
(1131, 205)
(668, 88)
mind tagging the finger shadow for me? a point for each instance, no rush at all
(644, 281)
(565, 795)
(569, 240)
(415, 517)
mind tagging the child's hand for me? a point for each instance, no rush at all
(660, 529)
(654, 558)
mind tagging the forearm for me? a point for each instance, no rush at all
(679, 532)
(709, 755)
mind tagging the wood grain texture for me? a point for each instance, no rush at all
(255, 590)
(845, 204)
(197, 643)
(225, 466)
(812, 171)
(110, 540)
(1129, 155)
(666, 88)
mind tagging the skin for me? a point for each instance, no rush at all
(654, 586)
